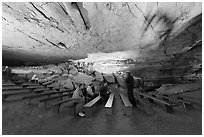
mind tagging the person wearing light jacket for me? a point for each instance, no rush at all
(79, 100)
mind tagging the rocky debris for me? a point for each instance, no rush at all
(109, 78)
(55, 69)
(56, 84)
(98, 76)
(73, 70)
(97, 85)
(20, 71)
(67, 84)
(48, 78)
(30, 75)
(179, 88)
(83, 78)
(120, 79)
(64, 65)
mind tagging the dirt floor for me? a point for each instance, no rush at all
(19, 118)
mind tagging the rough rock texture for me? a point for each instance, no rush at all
(55, 69)
(54, 31)
(73, 70)
(109, 78)
(120, 79)
(67, 84)
(83, 78)
(98, 76)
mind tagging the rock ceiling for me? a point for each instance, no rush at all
(56, 31)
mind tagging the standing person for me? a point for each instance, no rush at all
(93, 89)
(130, 85)
(79, 100)
(104, 92)
(7, 72)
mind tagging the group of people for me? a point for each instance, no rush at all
(83, 94)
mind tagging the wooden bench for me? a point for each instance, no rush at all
(45, 93)
(52, 86)
(34, 87)
(194, 102)
(29, 84)
(185, 104)
(89, 106)
(12, 88)
(41, 81)
(146, 106)
(109, 104)
(13, 92)
(20, 82)
(128, 105)
(48, 82)
(8, 84)
(167, 106)
(43, 102)
(56, 88)
(40, 90)
(59, 103)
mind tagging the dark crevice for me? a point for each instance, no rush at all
(60, 29)
(53, 44)
(8, 6)
(63, 8)
(145, 17)
(35, 19)
(30, 9)
(62, 44)
(26, 19)
(39, 11)
(130, 10)
(75, 3)
(36, 40)
(30, 37)
(96, 5)
(194, 46)
(109, 6)
(45, 3)
(66, 30)
(57, 28)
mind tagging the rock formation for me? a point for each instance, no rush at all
(36, 33)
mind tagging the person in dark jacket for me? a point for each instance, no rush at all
(130, 86)
(7, 73)
(104, 92)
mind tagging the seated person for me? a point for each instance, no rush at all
(90, 92)
(104, 92)
(78, 100)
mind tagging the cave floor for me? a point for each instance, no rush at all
(19, 118)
